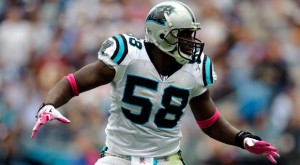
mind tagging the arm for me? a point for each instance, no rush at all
(88, 77)
(203, 108)
(215, 126)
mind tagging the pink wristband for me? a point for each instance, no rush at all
(210, 121)
(72, 82)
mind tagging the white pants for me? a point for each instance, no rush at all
(112, 160)
(109, 159)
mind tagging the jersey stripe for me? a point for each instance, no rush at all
(211, 72)
(121, 50)
(117, 48)
(207, 71)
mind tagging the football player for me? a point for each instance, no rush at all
(153, 80)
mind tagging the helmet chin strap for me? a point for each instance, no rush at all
(179, 58)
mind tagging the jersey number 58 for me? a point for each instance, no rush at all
(160, 119)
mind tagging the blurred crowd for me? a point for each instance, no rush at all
(254, 45)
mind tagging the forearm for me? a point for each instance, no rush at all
(87, 78)
(60, 94)
(210, 121)
(222, 131)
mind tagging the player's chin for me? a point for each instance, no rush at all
(187, 53)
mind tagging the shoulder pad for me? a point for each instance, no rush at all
(115, 47)
(208, 74)
(120, 48)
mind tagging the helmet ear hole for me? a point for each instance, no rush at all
(162, 36)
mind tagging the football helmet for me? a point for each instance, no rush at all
(164, 24)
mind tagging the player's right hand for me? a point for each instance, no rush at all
(47, 112)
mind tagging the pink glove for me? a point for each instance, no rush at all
(261, 148)
(47, 112)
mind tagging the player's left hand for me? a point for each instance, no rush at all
(47, 113)
(261, 148)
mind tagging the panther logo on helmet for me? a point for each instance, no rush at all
(158, 15)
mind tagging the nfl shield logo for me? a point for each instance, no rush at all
(142, 160)
(137, 160)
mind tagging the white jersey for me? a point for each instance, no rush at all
(147, 108)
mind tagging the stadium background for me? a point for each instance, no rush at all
(254, 44)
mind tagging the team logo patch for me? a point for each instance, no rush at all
(105, 45)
